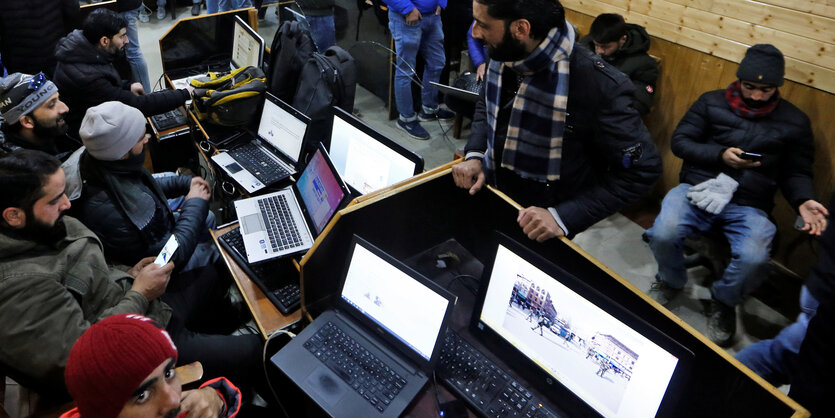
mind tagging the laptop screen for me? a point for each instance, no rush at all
(282, 129)
(368, 161)
(247, 46)
(612, 367)
(409, 310)
(320, 191)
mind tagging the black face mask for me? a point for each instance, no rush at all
(754, 104)
(508, 50)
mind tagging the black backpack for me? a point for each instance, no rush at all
(291, 48)
(326, 80)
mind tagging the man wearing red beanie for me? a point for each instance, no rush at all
(123, 366)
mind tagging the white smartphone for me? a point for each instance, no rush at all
(167, 251)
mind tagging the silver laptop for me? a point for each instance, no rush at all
(371, 355)
(286, 222)
(274, 154)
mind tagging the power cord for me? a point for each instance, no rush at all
(264, 363)
(461, 277)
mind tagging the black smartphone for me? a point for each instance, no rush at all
(751, 156)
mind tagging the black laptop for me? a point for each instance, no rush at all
(372, 354)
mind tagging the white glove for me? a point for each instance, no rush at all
(712, 195)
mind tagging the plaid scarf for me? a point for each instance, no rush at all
(733, 94)
(533, 147)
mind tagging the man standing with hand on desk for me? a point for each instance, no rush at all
(556, 130)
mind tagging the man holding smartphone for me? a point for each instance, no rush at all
(738, 145)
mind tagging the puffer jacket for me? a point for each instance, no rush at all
(29, 31)
(123, 241)
(49, 295)
(602, 132)
(783, 137)
(633, 60)
(86, 77)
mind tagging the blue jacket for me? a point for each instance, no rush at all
(478, 52)
(405, 6)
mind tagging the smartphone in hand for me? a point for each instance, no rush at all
(751, 156)
(167, 251)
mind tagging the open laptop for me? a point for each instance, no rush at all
(591, 356)
(391, 320)
(367, 159)
(286, 222)
(274, 154)
(467, 95)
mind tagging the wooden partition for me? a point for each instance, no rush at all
(700, 49)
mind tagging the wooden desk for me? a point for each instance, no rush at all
(267, 317)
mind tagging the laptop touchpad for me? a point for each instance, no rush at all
(252, 223)
(326, 384)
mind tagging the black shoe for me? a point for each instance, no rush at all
(439, 113)
(661, 292)
(195, 9)
(721, 324)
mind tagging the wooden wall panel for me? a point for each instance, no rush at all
(726, 28)
(686, 73)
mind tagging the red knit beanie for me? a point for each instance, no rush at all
(111, 359)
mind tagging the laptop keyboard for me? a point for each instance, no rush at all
(260, 164)
(284, 294)
(485, 387)
(281, 226)
(377, 383)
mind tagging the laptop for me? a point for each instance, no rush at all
(367, 159)
(391, 319)
(274, 154)
(467, 95)
(592, 356)
(286, 222)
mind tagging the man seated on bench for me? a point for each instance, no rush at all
(123, 366)
(738, 145)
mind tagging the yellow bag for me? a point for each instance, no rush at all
(228, 98)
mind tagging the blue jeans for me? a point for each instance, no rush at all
(134, 54)
(748, 230)
(769, 358)
(214, 6)
(322, 31)
(428, 38)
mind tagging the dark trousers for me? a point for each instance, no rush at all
(202, 315)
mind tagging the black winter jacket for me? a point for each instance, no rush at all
(86, 77)
(29, 31)
(784, 138)
(633, 60)
(602, 131)
(126, 244)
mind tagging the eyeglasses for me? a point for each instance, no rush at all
(37, 81)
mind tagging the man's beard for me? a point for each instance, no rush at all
(41, 130)
(39, 231)
(754, 104)
(508, 50)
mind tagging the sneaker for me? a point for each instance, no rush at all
(414, 129)
(144, 15)
(661, 292)
(195, 9)
(721, 324)
(442, 114)
(161, 13)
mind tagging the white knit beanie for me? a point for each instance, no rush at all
(111, 129)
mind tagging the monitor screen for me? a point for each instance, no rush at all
(247, 46)
(367, 161)
(406, 308)
(320, 191)
(284, 131)
(612, 367)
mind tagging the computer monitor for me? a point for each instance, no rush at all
(247, 46)
(569, 339)
(365, 158)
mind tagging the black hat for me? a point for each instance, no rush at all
(20, 94)
(763, 63)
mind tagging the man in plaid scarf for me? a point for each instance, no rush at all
(555, 130)
(738, 145)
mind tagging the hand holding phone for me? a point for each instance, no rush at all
(751, 156)
(167, 251)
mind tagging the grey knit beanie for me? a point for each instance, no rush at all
(111, 129)
(763, 63)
